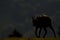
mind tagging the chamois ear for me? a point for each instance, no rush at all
(33, 17)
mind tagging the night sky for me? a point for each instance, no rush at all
(17, 14)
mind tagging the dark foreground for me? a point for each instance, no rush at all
(13, 38)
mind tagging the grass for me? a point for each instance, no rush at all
(14, 38)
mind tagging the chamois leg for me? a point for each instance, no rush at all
(53, 31)
(40, 31)
(45, 32)
(36, 31)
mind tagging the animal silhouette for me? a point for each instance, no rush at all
(42, 22)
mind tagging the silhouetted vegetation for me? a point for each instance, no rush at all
(15, 34)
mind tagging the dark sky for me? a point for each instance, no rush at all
(17, 14)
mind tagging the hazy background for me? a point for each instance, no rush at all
(17, 14)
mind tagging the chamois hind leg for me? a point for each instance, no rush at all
(36, 29)
(45, 32)
(40, 31)
(53, 31)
